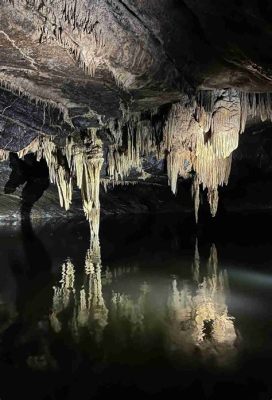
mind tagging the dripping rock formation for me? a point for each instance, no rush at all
(113, 101)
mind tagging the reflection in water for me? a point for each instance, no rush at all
(199, 315)
(190, 314)
(88, 305)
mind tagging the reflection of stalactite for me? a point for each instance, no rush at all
(203, 315)
(111, 275)
(194, 314)
(124, 308)
(88, 305)
(196, 263)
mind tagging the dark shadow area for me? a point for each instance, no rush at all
(32, 273)
(33, 278)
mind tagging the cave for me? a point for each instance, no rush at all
(135, 199)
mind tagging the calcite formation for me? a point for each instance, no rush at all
(201, 135)
(82, 163)
(128, 84)
(195, 136)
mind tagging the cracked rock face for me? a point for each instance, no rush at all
(119, 92)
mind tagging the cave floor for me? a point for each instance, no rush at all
(149, 311)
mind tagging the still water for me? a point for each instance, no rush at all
(156, 308)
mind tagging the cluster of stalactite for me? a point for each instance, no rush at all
(81, 28)
(78, 162)
(198, 139)
(32, 93)
(31, 148)
(70, 23)
(197, 136)
(134, 138)
(201, 134)
(199, 307)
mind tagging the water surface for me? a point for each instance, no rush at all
(156, 308)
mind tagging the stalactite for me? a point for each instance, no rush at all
(82, 161)
(88, 166)
(211, 172)
(196, 197)
(225, 123)
(24, 88)
(202, 140)
(58, 174)
(31, 148)
(133, 139)
(4, 155)
(106, 183)
(179, 135)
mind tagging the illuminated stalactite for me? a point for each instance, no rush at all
(200, 136)
(133, 139)
(87, 165)
(31, 148)
(83, 162)
(47, 100)
(203, 141)
(80, 27)
(4, 155)
(179, 137)
(197, 139)
(58, 174)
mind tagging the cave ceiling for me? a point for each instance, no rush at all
(133, 81)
